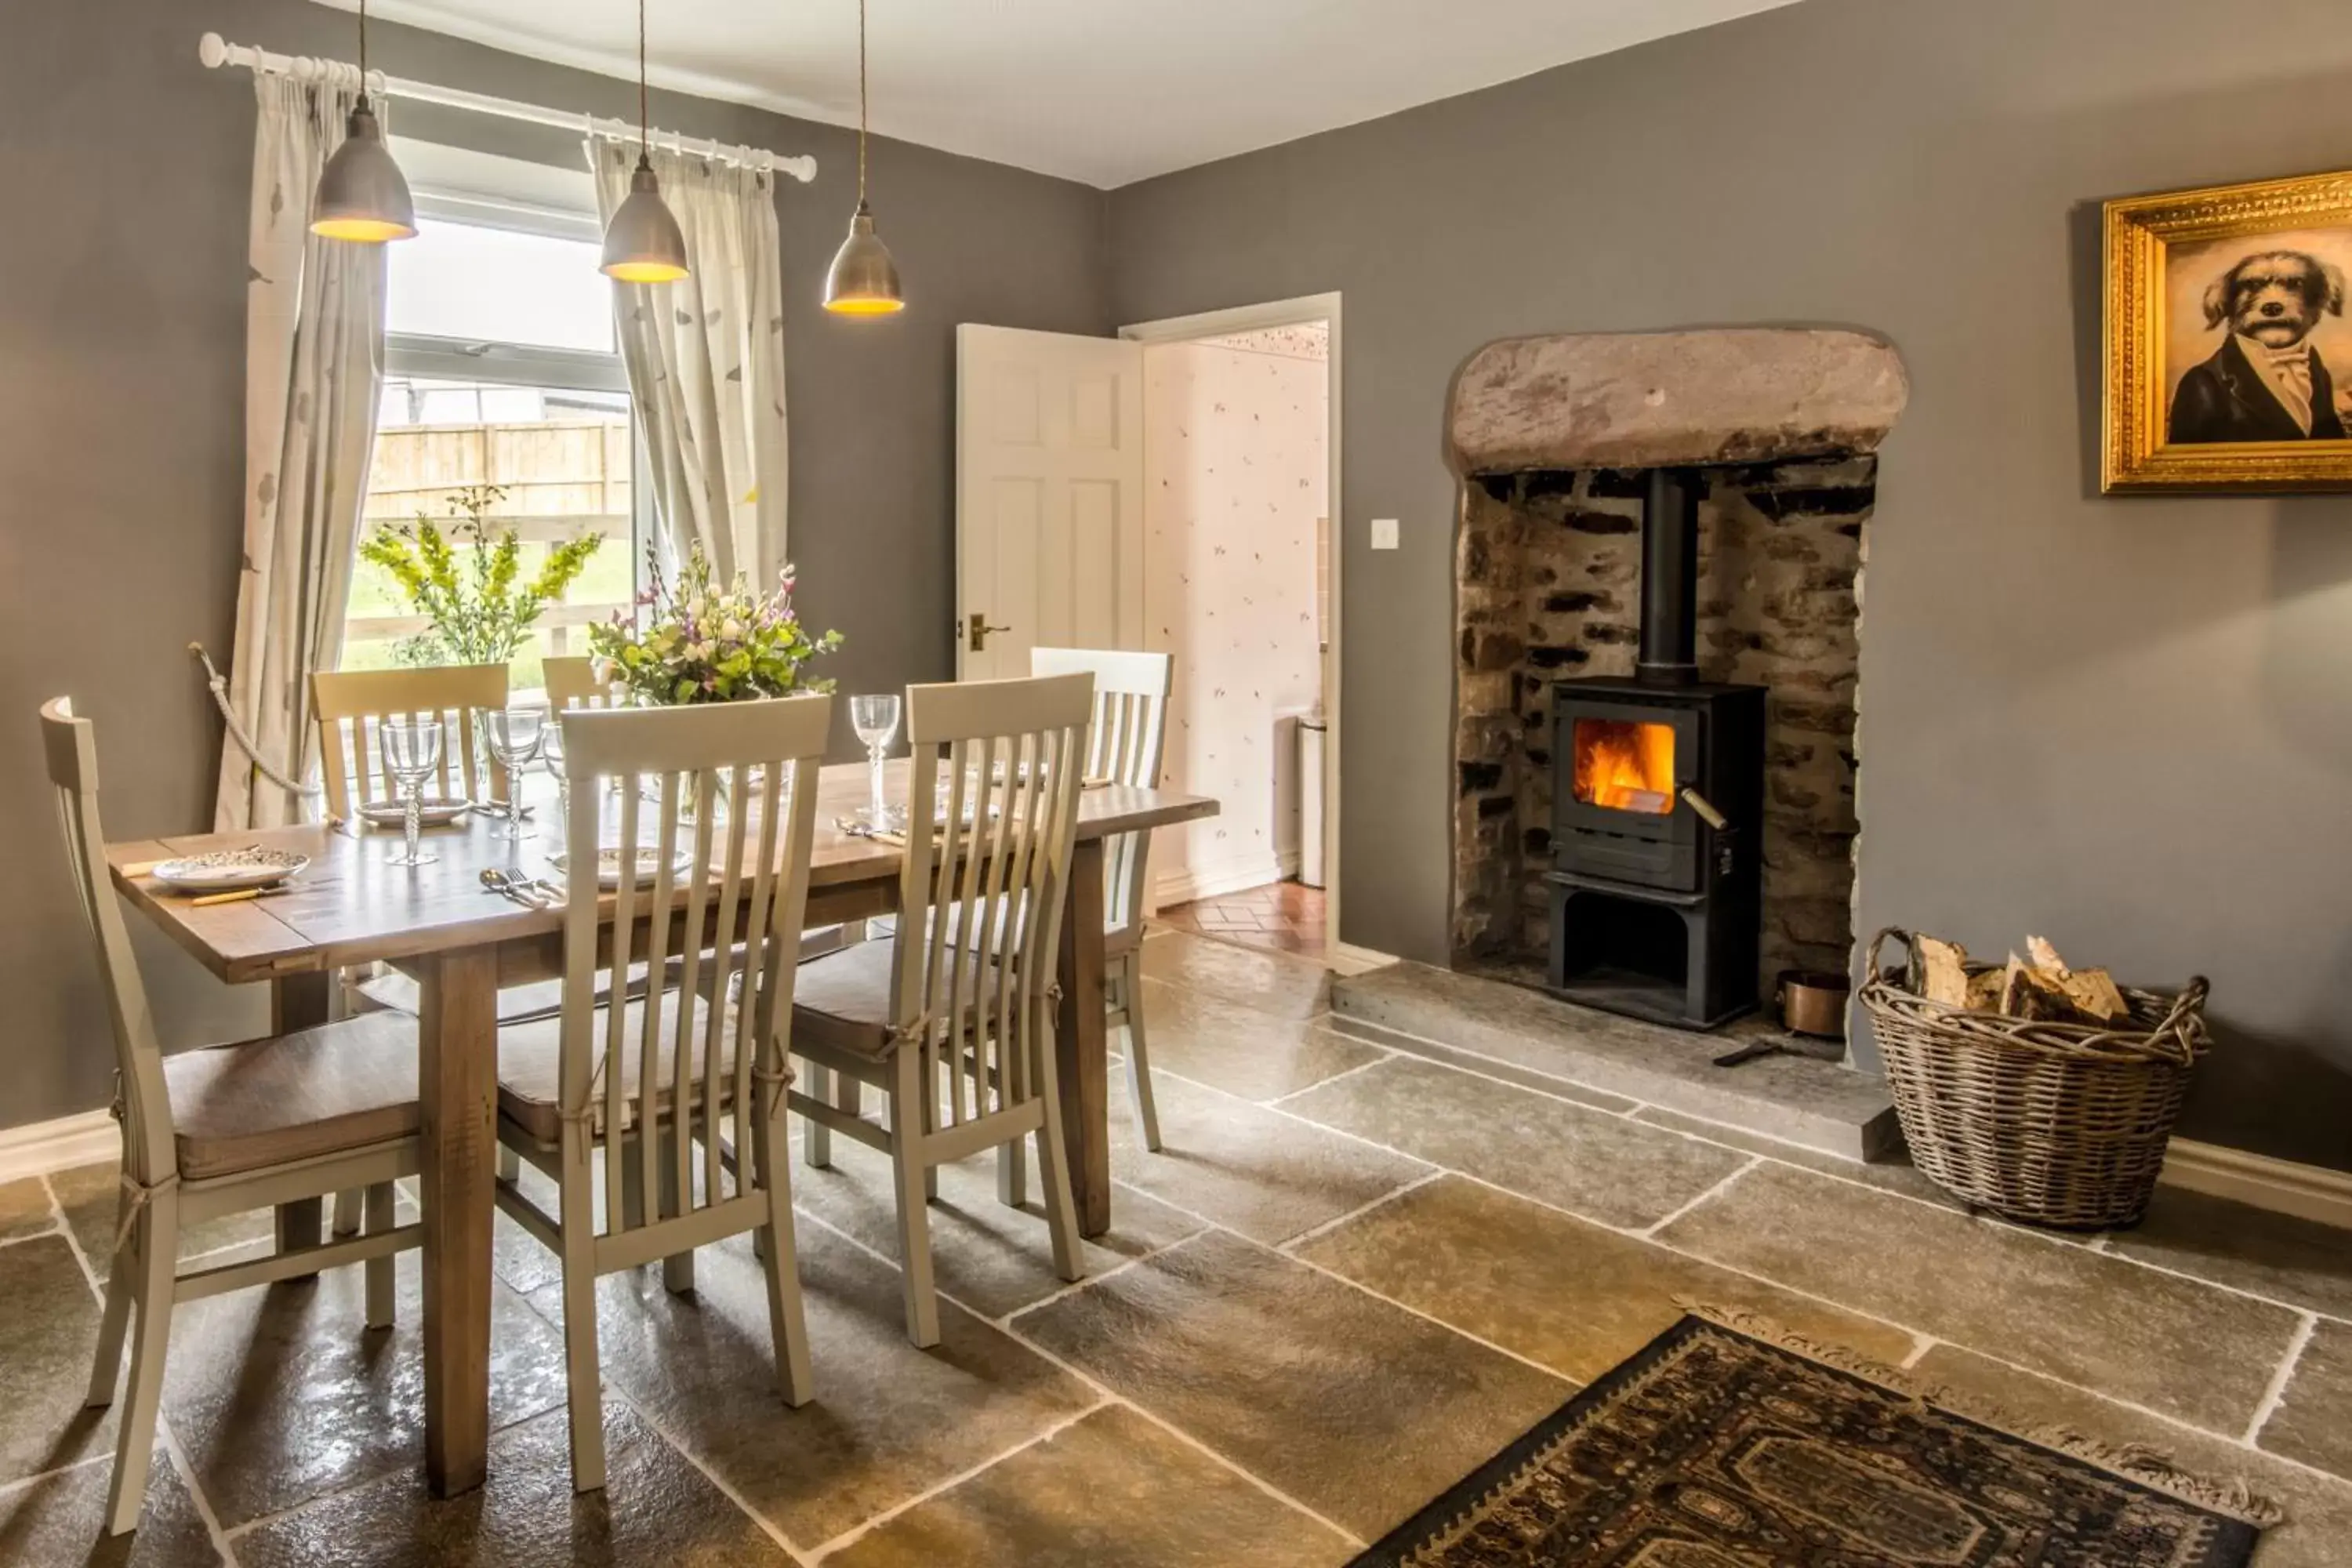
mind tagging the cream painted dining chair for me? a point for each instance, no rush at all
(698, 1065)
(1130, 740)
(952, 1018)
(221, 1131)
(570, 680)
(350, 707)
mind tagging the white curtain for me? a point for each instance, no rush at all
(706, 358)
(314, 371)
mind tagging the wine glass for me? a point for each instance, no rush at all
(412, 751)
(876, 720)
(551, 751)
(513, 736)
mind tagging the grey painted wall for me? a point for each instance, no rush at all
(2124, 724)
(126, 167)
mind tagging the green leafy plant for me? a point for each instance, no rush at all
(704, 643)
(467, 582)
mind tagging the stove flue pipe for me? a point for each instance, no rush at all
(1670, 578)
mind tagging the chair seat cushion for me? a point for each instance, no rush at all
(531, 1058)
(842, 1000)
(339, 1087)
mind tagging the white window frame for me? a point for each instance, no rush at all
(423, 356)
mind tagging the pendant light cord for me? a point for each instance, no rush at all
(363, 48)
(861, 105)
(645, 107)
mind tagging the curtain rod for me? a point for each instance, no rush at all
(216, 52)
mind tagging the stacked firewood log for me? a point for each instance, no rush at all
(2039, 987)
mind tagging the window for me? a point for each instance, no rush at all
(501, 369)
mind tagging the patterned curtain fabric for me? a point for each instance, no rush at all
(314, 372)
(706, 358)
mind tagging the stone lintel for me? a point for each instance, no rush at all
(1646, 400)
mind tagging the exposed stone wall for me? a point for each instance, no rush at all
(1548, 587)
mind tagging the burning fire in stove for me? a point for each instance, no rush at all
(1625, 765)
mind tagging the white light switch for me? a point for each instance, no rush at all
(1384, 533)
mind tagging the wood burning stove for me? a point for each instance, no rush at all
(1657, 807)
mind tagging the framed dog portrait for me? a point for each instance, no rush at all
(2229, 354)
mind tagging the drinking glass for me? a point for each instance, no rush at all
(513, 736)
(551, 751)
(876, 720)
(412, 751)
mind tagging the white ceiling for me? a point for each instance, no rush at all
(1107, 92)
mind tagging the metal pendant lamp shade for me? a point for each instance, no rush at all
(641, 244)
(863, 281)
(362, 194)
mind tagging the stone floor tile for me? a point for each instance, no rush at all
(1270, 982)
(1605, 1167)
(61, 1519)
(91, 1197)
(2313, 1422)
(279, 1394)
(655, 1510)
(49, 1336)
(2299, 1261)
(2177, 1346)
(1266, 1175)
(24, 1208)
(887, 1422)
(2318, 1508)
(1891, 1175)
(1576, 1297)
(1239, 1049)
(991, 1258)
(1112, 1490)
(1354, 1406)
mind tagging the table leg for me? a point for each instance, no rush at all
(1082, 1059)
(457, 1082)
(300, 1002)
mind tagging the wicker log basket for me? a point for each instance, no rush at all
(2054, 1124)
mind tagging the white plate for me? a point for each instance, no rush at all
(226, 869)
(608, 867)
(435, 811)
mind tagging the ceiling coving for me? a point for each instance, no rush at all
(1103, 91)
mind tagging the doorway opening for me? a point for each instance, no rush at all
(1241, 493)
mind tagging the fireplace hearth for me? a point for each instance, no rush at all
(1657, 806)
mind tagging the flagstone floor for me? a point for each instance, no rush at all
(1349, 1279)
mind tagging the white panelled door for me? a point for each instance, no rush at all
(1049, 496)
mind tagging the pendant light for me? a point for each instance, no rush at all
(361, 195)
(641, 244)
(863, 281)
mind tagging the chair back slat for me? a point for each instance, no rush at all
(1130, 743)
(992, 826)
(71, 746)
(724, 897)
(350, 708)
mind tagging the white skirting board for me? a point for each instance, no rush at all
(2312, 1191)
(1170, 888)
(60, 1145)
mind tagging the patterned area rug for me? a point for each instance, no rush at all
(1712, 1449)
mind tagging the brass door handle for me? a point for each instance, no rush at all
(978, 628)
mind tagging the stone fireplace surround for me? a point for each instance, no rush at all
(1548, 435)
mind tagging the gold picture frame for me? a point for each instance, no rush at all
(2226, 320)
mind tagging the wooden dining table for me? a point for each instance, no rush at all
(462, 943)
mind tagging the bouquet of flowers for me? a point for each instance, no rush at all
(467, 582)
(703, 643)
